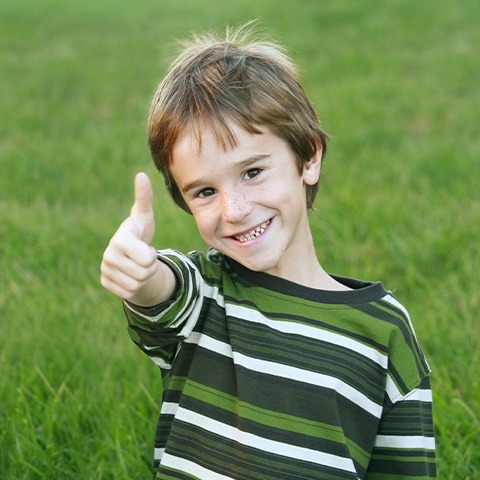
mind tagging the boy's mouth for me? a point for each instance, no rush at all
(256, 232)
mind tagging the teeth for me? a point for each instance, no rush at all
(254, 233)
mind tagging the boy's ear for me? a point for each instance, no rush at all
(312, 168)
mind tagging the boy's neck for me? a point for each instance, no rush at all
(308, 272)
(314, 276)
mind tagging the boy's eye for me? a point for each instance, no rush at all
(206, 192)
(253, 172)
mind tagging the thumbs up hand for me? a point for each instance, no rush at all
(141, 214)
(130, 268)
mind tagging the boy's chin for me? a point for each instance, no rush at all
(256, 266)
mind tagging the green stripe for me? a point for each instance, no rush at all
(410, 338)
(390, 476)
(245, 462)
(277, 420)
(355, 369)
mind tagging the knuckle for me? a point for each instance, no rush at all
(108, 256)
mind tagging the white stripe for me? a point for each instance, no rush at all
(158, 453)
(421, 395)
(191, 468)
(391, 299)
(286, 371)
(391, 441)
(392, 390)
(264, 444)
(191, 311)
(169, 408)
(254, 316)
(159, 362)
(185, 313)
(211, 344)
(313, 378)
(212, 292)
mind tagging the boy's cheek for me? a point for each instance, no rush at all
(204, 225)
(205, 216)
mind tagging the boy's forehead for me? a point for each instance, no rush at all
(194, 137)
(197, 139)
(189, 144)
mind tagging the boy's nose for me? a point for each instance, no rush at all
(235, 207)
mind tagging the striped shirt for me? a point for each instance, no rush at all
(267, 379)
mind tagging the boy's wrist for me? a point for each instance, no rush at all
(159, 288)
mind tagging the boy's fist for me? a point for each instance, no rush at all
(130, 261)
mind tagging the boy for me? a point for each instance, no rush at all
(271, 368)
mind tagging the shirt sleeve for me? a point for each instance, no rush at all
(405, 443)
(158, 330)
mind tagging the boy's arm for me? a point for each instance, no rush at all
(405, 444)
(130, 268)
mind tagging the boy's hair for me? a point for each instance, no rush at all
(248, 81)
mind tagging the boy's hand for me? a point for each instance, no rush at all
(141, 213)
(130, 268)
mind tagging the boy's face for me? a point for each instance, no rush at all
(249, 201)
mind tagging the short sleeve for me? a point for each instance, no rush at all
(159, 329)
(405, 443)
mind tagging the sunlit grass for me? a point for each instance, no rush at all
(397, 87)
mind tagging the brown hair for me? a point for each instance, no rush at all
(250, 82)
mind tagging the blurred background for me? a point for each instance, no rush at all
(395, 83)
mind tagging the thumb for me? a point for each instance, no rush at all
(141, 213)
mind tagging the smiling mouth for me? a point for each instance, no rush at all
(256, 232)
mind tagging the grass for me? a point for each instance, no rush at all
(395, 83)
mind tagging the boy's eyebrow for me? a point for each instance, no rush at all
(242, 164)
(251, 160)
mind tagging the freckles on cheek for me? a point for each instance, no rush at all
(275, 193)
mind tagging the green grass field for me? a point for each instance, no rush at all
(396, 83)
